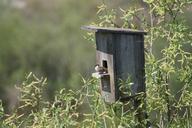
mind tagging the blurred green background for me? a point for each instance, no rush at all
(44, 37)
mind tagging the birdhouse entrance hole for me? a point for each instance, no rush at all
(105, 64)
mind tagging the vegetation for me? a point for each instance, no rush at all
(168, 77)
(44, 37)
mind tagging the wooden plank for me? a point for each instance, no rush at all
(113, 30)
(104, 52)
(140, 63)
(129, 60)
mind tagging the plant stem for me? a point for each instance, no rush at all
(167, 98)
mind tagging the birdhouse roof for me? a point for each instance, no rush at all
(113, 30)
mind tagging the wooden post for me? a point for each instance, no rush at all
(121, 51)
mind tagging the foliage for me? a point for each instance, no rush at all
(44, 37)
(67, 109)
(64, 111)
(167, 108)
(164, 21)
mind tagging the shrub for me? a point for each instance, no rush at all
(166, 108)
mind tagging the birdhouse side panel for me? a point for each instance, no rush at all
(124, 60)
(140, 64)
(129, 60)
(124, 56)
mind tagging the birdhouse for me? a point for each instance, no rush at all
(119, 55)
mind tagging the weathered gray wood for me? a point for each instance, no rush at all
(125, 57)
(129, 60)
(113, 30)
(104, 42)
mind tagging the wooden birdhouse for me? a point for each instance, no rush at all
(119, 55)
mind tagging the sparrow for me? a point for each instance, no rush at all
(100, 69)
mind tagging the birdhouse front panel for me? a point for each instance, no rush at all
(107, 80)
(104, 57)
